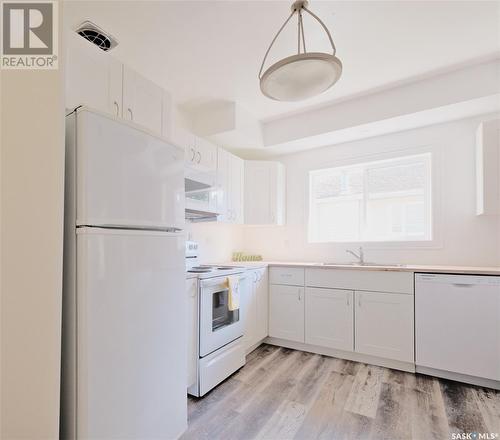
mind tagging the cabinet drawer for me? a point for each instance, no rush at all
(356, 279)
(292, 276)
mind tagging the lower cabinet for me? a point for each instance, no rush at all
(384, 325)
(329, 318)
(262, 296)
(255, 304)
(327, 309)
(286, 312)
(192, 345)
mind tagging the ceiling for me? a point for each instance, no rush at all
(204, 50)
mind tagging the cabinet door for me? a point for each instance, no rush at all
(166, 115)
(329, 318)
(258, 191)
(93, 77)
(223, 184)
(206, 155)
(264, 193)
(262, 296)
(236, 189)
(192, 321)
(286, 313)
(186, 140)
(384, 325)
(142, 101)
(250, 310)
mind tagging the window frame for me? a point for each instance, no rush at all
(432, 190)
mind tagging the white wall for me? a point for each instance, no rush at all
(462, 237)
(32, 173)
(217, 241)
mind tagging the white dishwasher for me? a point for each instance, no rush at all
(457, 319)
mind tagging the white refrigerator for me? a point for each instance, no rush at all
(124, 330)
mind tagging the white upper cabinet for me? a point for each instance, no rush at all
(200, 154)
(206, 155)
(97, 80)
(264, 193)
(93, 77)
(166, 115)
(237, 188)
(488, 168)
(230, 185)
(223, 184)
(384, 325)
(142, 101)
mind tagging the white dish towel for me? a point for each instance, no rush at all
(233, 287)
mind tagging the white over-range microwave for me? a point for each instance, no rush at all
(201, 195)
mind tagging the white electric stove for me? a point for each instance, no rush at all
(206, 270)
(220, 347)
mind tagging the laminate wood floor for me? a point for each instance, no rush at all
(288, 394)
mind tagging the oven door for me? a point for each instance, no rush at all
(218, 325)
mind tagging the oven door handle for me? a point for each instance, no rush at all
(218, 282)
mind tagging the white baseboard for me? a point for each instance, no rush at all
(351, 356)
(473, 380)
(248, 350)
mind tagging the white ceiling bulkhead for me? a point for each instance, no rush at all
(207, 53)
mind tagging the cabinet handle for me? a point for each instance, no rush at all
(199, 157)
(131, 114)
(359, 300)
(117, 107)
(193, 154)
(300, 294)
(347, 297)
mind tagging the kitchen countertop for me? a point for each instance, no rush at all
(474, 270)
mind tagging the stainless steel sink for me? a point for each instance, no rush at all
(365, 264)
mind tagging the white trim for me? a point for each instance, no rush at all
(479, 381)
(436, 177)
(351, 356)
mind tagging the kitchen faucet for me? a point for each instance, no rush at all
(360, 256)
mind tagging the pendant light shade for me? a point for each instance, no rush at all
(305, 74)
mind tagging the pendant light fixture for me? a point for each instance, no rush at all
(305, 74)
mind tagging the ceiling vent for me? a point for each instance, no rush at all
(96, 35)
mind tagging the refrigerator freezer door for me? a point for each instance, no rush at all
(125, 176)
(131, 334)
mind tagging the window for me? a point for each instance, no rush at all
(386, 200)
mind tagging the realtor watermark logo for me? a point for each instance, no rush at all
(474, 436)
(29, 35)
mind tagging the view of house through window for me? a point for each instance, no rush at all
(385, 200)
